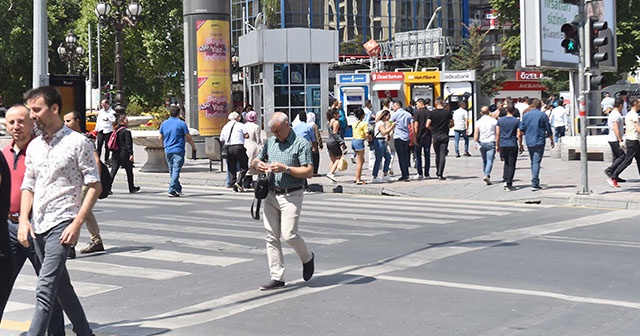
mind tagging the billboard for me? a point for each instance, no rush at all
(541, 37)
(214, 75)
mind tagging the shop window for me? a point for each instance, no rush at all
(313, 73)
(297, 96)
(280, 73)
(281, 95)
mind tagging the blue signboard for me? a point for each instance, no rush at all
(353, 78)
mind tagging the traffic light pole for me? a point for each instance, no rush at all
(582, 89)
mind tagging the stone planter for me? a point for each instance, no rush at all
(156, 161)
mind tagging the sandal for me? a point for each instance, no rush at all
(361, 182)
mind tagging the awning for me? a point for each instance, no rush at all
(387, 90)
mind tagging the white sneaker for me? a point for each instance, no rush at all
(378, 180)
(387, 178)
(332, 177)
(417, 177)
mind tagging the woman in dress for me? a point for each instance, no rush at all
(335, 143)
(123, 156)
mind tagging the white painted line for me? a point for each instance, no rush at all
(17, 306)
(187, 258)
(122, 205)
(241, 302)
(419, 210)
(83, 289)
(440, 203)
(587, 241)
(123, 271)
(305, 228)
(516, 291)
(151, 201)
(207, 231)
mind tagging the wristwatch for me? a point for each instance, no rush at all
(287, 170)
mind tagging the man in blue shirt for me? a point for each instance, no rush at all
(173, 133)
(401, 138)
(536, 128)
(304, 130)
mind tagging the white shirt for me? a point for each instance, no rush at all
(487, 129)
(105, 126)
(558, 117)
(630, 121)
(237, 137)
(460, 119)
(55, 173)
(614, 116)
(521, 107)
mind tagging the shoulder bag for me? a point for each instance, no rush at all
(224, 152)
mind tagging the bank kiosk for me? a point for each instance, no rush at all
(386, 85)
(353, 91)
(460, 86)
(423, 84)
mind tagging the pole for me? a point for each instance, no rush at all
(40, 44)
(99, 70)
(90, 70)
(582, 87)
(120, 99)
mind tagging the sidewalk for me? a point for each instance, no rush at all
(561, 181)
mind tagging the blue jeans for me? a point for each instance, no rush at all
(402, 150)
(535, 155)
(20, 255)
(457, 135)
(488, 152)
(558, 133)
(54, 283)
(423, 147)
(380, 148)
(175, 161)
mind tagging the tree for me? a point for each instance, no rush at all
(470, 58)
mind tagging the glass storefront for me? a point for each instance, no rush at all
(297, 88)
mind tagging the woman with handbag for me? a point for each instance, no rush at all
(335, 143)
(123, 156)
(381, 133)
(357, 144)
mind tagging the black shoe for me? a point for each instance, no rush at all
(608, 172)
(93, 247)
(173, 194)
(72, 253)
(620, 180)
(307, 269)
(273, 284)
(134, 190)
(467, 154)
(441, 178)
(457, 155)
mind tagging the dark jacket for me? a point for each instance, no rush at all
(125, 144)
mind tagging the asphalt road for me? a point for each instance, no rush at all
(385, 266)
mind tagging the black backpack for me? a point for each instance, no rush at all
(105, 180)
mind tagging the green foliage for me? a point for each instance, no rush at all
(271, 12)
(159, 114)
(470, 58)
(134, 108)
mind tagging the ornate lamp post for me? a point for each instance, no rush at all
(70, 51)
(119, 20)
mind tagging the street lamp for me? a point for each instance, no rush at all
(70, 51)
(124, 15)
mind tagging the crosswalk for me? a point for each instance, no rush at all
(151, 238)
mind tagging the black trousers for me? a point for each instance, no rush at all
(237, 156)
(315, 157)
(510, 155)
(118, 162)
(103, 139)
(618, 157)
(441, 149)
(633, 151)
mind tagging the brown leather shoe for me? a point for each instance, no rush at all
(93, 247)
(273, 284)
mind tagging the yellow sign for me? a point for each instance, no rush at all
(422, 77)
(214, 75)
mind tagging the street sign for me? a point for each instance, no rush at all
(428, 43)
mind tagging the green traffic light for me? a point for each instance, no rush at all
(571, 46)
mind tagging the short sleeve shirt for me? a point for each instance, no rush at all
(359, 129)
(421, 116)
(293, 151)
(173, 131)
(630, 121)
(614, 117)
(508, 131)
(440, 119)
(55, 173)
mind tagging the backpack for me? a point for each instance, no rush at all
(112, 144)
(105, 180)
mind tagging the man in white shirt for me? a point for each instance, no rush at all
(522, 105)
(104, 126)
(558, 121)
(460, 122)
(485, 138)
(632, 137)
(615, 124)
(233, 135)
(607, 102)
(58, 163)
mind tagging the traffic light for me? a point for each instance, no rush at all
(571, 42)
(595, 28)
(596, 81)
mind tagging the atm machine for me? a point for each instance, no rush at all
(353, 91)
(459, 86)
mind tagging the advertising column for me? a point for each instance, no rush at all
(207, 65)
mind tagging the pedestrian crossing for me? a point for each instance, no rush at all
(151, 238)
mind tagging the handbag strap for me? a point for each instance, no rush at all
(231, 132)
(256, 214)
